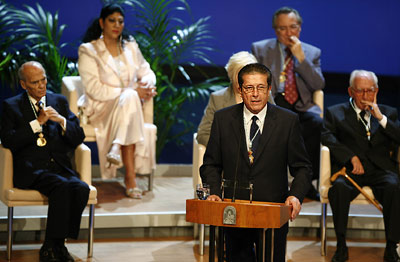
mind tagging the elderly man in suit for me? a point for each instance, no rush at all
(296, 75)
(254, 142)
(42, 133)
(363, 136)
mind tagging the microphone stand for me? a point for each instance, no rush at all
(236, 170)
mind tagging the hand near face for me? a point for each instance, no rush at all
(295, 48)
(373, 108)
(293, 201)
(358, 168)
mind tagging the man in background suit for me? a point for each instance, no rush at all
(363, 136)
(296, 75)
(42, 134)
(254, 142)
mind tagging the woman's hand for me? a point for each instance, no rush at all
(146, 92)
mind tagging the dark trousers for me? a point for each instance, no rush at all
(385, 186)
(240, 243)
(68, 196)
(311, 126)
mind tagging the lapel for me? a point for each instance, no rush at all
(237, 125)
(276, 65)
(26, 108)
(374, 126)
(269, 125)
(350, 117)
(104, 55)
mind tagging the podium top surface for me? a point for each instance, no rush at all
(247, 215)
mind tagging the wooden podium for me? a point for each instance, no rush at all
(257, 214)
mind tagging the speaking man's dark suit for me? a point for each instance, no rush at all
(281, 145)
(309, 79)
(48, 168)
(346, 137)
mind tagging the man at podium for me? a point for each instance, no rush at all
(253, 143)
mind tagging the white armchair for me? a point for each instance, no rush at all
(325, 184)
(13, 197)
(73, 88)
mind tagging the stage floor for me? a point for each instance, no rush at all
(154, 228)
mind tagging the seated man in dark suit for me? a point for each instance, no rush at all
(363, 136)
(42, 134)
(253, 143)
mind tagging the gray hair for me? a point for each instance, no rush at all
(237, 61)
(363, 73)
(286, 10)
(21, 73)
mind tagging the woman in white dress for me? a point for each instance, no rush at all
(117, 79)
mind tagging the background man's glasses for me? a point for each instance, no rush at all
(369, 91)
(291, 28)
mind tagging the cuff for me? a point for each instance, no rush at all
(36, 127)
(383, 121)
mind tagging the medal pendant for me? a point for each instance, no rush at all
(251, 157)
(282, 77)
(41, 141)
(368, 134)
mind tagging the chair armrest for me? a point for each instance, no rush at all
(6, 171)
(69, 90)
(325, 170)
(148, 111)
(318, 99)
(83, 162)
(198, 154)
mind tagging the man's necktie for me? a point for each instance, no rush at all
(254, 134)
(291, 93)
(362, 115)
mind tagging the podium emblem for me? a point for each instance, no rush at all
(229, 217)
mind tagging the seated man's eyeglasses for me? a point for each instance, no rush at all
(368, 91)
(250, 89)
(292, 28)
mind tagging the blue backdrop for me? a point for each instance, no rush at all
(352, 34)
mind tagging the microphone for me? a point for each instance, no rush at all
(236, 170)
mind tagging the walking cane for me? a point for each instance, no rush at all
(342, 172)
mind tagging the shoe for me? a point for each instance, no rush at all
(114, 158)
(391, 254)
(64, 255)
(341, 254)
(135, 193)
(48, 254)
(313, 194)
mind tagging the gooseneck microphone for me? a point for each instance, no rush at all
(236, 169)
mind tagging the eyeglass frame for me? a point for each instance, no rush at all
(370, 91)
(251, 89)
(37, 83)
(292, 28)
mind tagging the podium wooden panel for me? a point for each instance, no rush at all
(248, 215)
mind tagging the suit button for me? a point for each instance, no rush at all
(51, 159)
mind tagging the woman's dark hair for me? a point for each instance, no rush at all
(94, 31)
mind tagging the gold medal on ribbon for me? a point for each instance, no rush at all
(41, 141)
(251, 157)
(282, 77)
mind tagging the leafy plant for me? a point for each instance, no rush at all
(38, 35)
(168, 43)
(8, 65)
